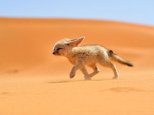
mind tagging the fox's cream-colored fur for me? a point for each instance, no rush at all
(87, 55)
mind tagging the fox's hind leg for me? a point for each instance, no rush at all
(116, 74)
(113, 67)
(95, 70)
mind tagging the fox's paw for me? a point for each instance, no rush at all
(94, 73)
(72, 74)
(115, 77)
(87, 78)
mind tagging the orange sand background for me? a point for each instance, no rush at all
(34, 82)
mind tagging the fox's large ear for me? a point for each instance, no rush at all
(76, 41)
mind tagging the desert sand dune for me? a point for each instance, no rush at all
(34, 82)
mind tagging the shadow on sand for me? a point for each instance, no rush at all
(71, 81)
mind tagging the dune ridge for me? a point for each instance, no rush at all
(28, 41)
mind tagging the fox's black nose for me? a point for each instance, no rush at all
(54, 53)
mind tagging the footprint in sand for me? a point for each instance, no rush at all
(13, 71)
(125, 89)
(4, 93)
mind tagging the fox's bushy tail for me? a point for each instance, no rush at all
(119, 59)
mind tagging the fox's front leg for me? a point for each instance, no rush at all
(85, 72)
(73, 71)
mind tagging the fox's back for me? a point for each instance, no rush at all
(89, 54)
(89, 49)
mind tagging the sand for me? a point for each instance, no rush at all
(34, 82)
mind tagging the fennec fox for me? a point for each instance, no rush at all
(87, 55)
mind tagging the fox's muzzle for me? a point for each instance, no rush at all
(55, 53)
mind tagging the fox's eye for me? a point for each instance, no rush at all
(67, 44)
(59, 49)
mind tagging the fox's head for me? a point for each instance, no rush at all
(62, 47)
